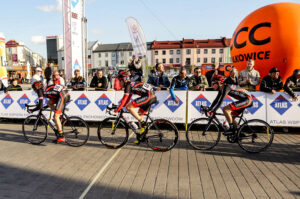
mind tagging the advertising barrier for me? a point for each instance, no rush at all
(277, 109)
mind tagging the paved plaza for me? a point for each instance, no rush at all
(93, 171)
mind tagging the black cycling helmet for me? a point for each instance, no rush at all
(123, 74)
(219, 79)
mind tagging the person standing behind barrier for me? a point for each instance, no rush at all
(99, 82)
(2, 87)
(38, 75)
(249, 78)
(159, 80)
(213, 73)
(109, 79)
(198, 82)
(233, 77)
(56, 79)
(14, 86)
(180, 82)
(272, 82)
(48, 74)
(135, 69)
(293, 84)
(77, 83)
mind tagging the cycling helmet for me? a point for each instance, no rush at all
(219, 79)
(123, 74)
(37, 85)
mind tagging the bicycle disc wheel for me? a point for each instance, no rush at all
(200, 139)
(162, 135)
(108, 138)
(34, 130)
(76, 131)
(255, 136)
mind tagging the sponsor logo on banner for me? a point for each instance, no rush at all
(200, 100)
(227, 101)
(256, 105)
(23, 100)
(171, 104)
(102, 102)
(82, 102)
(281, 105)
(74, 3)
(7, 101)
(155, 105)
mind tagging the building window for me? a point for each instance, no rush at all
(188, 51)
(156, 52)
(122, 62)
(213, 51)
(99, 54)
(198, 51)
(106, 54)
(220, 59)
(164, 52)
(89, 56)
(113, 54)
(156, 61)
(122, 53)
(213, 60)
(205, 60)
(205, 51)
(178, 52)
(221, 51)
(198, 60)
(106, 63)
(188, 61)
(130, 53)
(171, 60)
(164, 61)
(177, 60)
(171, 52)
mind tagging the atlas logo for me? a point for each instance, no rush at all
(200, 101)
(155, 105)
(23, 100)
(171, 104)
(7, 101)
(74, 3)
(82, 102)
(281, 105)
(256, 105)
(227, 101)
(102, 102)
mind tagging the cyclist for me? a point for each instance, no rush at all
(57, 95)
(232, 110)
(146, 99)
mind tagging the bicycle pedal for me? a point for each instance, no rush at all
(54, 141)
(137, 142)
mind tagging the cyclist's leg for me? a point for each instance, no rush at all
(60, 106)
(51, 103)
(137, 103)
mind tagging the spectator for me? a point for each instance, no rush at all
(2, 87)
(198, 82)
(78, 82)
(38, 75)
(272, 82)
(57, 79)
(233, 77)
(109, 79)
(135, 69)
(159, 79)
(99, 82)
(293, 84)
(14, 86)
(180, 82)
(249, 78)
(214, 72)
(48, 73)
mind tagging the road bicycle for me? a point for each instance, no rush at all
(252, 136)
(159, 134)
(35, 128)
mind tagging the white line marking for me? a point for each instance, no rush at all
(101, 171)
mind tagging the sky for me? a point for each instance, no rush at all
(31, 21)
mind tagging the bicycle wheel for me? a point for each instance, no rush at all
(34, 130)
(200, 139)
(255, 136)
(76, 131)
(108, 138)
(161, 135)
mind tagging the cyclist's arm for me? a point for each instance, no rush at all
(41, 99)
(125, 98)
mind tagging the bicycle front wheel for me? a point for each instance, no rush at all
(76, 131)
(34, 130)
(162, 135)
(112, 136)
(203, 136)
(255, 136)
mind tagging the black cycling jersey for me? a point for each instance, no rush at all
(138, 88)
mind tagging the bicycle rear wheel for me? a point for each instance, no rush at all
(34, 130)
(161, 135)
(255, 136)
(76, 131)
(201, 136)
(111, 139)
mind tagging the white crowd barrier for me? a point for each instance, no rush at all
(277, 109)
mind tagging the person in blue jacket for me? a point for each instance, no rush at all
(179, 82)
(159, 80)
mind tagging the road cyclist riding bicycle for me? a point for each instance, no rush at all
(144, 102)
(232, 110)
(58, 98)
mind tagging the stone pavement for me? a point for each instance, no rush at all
(61, 171)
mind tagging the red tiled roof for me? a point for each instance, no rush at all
(12, 43)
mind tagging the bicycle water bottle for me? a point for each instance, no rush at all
(226, 126)
(133, 125)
